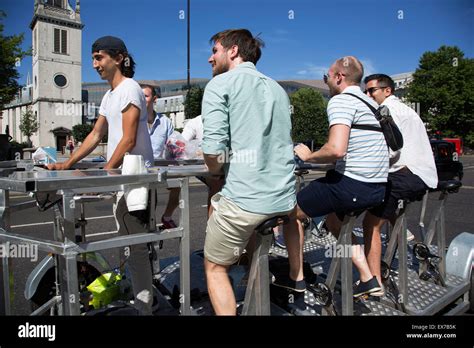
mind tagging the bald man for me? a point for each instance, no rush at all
(362, 160)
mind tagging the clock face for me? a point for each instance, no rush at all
(60, 80)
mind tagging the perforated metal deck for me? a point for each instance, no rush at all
(426, 298)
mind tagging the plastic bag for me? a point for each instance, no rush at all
(193, 149)
(175, 147)
(104, 289)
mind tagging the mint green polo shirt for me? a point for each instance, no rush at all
(247, 123)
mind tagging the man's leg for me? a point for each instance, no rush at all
(373, 244)
(294, 240)
(219, 288)
(173, 202)
(138, 258)
(357, 253)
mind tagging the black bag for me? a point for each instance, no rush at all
(391, 133)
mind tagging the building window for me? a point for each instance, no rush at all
(56, 3)
(60, 80)
(34, 41)
(60, 41)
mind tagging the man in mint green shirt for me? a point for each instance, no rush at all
(247, 135)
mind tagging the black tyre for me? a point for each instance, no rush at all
(47, 286)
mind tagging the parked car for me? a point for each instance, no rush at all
(446, 160)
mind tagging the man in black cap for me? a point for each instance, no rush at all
(123, 115)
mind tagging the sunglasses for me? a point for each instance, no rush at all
(326, 76)
(371, 90)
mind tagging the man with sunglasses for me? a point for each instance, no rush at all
(361, 156)
(412, 168)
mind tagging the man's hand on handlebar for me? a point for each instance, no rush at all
(57, 166)
(302, 151)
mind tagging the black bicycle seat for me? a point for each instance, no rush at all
(301, 172)
(272, 222)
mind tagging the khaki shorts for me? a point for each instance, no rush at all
(229, 229)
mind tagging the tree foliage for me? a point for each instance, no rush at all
(11, 55)
(193, 102)
(443, 87)
(81, 131)
(28, 124)
(309, 118)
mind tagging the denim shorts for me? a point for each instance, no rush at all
(336, 193)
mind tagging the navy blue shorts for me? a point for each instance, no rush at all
(402, 184)
(336, 193)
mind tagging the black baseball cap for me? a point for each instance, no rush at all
(109, 43)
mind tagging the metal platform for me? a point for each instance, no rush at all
(427, 298)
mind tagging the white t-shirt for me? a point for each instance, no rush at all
(193, 129)
(367, 156)
(113, 104)
(416, 153)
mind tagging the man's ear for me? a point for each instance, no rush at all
(234, 52)
(119, 58)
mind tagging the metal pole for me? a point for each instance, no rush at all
(189, 40)
(5, 261)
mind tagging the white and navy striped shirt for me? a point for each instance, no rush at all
(367, 157)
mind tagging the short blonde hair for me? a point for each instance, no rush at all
(351, 68)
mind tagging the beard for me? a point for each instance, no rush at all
(220, 69)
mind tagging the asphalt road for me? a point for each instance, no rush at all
(459, 218)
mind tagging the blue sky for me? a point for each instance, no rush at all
(388, 36)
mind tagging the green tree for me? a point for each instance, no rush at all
(28, 124)
(443, 87)
(11, 55)
(80, 131)
(309, 116)
(193, 102)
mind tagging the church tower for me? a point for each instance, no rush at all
(57, 81)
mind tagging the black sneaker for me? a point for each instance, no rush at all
(290, 284)
(366, 288)
(297, 306)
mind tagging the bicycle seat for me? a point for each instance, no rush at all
(449, 186)
(301, 172)
(272, 222)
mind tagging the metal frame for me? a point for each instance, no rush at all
(343, 265)
(398, 238)
(64, 246)
(257, 294)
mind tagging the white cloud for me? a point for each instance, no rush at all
(312, 71)
(277, 36)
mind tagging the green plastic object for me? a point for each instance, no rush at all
(105, 289)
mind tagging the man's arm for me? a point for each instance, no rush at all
(213, 164)
(334, 149)
(216, 126)
(130, 121)
(89, 144)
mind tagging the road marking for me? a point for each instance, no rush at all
(467, 187)
(50, 222)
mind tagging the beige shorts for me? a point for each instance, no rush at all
(229, 229)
